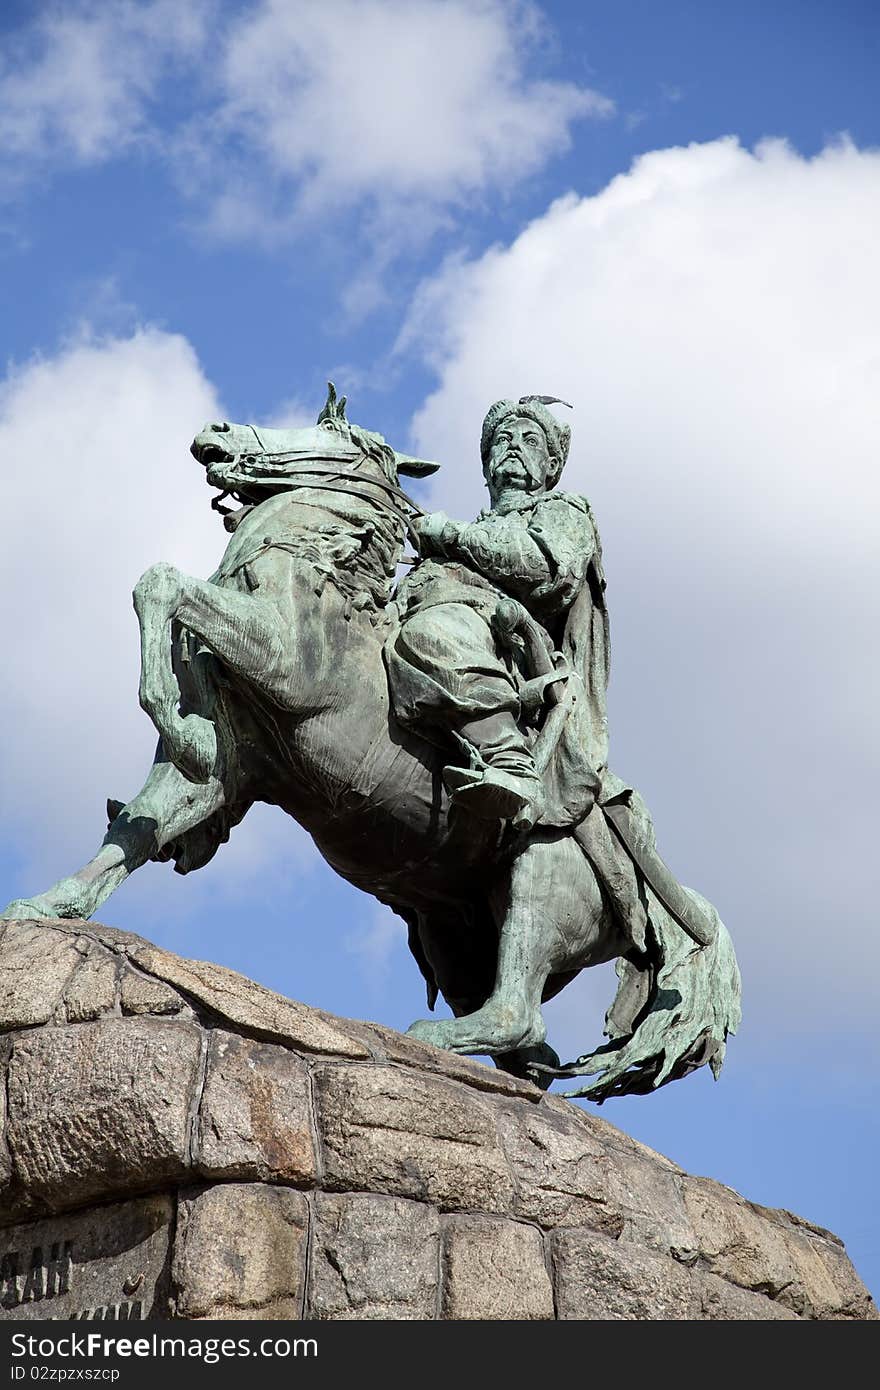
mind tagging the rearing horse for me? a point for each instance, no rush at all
(267, 683)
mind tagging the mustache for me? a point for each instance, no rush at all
(513, 455)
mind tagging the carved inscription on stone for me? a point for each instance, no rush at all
(109, 1263)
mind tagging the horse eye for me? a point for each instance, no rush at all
(221, 428)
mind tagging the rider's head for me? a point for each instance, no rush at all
(523, 447)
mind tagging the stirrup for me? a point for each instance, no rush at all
(493, 794)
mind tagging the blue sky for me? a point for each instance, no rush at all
(664, 213)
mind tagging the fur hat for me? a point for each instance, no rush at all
(557, 434)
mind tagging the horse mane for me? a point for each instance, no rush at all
(358, 559)
(357, 554)
(373, 446)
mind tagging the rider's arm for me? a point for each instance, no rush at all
(548, 557)
(507, 553)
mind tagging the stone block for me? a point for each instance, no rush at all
(36, 963)
(494, 1270)
(240, 1252)
(735, 1242)
(141, 994)
(248, 1005)
(825, 1285)
(125, 1070)
(571, 1172)
(619, 1185)
(604, 1133)
(255, 1117)
(110, 1263)
(5, 1160)
(602, 1280)
(723, 1302)
(649, 1197)
(373, 1258)
(100, 1108)
(561, 1170)
(391, 1130)
(91, 990)
(391, 1046)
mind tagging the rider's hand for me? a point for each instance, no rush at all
(433, 532)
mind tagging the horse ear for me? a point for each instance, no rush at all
(414, 468)
(333, 409)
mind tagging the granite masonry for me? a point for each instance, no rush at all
(180, 1142)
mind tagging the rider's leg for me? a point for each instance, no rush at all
(502, 782)
(445, 669)
(243, 630)
(167, 806)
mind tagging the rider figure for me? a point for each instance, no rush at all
(446, 665)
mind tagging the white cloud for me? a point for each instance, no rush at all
(713, 316)
(98, 485)
(375, 946)
(75, 85)
(405, 109)
(385, 100)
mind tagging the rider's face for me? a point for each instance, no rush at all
(519, 460)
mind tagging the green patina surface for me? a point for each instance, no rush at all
(444, 741)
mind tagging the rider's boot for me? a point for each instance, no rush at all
(502, 782)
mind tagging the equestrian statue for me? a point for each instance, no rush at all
(443, 739)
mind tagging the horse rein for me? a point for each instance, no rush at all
(332, 479)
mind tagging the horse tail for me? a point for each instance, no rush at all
(675, 1005)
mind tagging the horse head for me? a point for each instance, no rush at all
(252, 462)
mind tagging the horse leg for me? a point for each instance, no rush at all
(462, 951)
(551, 914)
(167, 806)
(243, 631)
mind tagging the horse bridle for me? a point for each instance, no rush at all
(313, 469)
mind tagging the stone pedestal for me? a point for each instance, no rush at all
(180, 1142)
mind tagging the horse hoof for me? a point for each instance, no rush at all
(22, 910)
(32, 910)
(535, 1064)
(427, 1030)
(488, 1031)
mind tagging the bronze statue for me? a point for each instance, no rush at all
(444, 743)
(453, 664)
